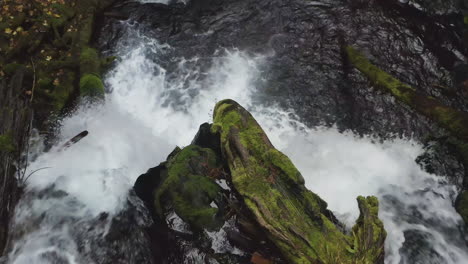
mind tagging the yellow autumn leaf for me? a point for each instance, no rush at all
(48, 58)
(8, 30)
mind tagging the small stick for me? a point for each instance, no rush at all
(34, 80)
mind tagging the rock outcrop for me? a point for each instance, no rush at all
(453, 120)
(266, 190)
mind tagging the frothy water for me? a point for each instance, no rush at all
(146, 114)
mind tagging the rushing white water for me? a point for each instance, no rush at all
(146, 114)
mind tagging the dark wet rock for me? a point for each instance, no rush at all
(206, 139)
(461, 205)
(417, 245)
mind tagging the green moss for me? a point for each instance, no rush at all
(188, 188)
(89, 61)
(6, 143)
(63, 91)
(294, 218)
(367, 224)
(453, 120)
(45, 83)
(282, 162)
(11, 68)
(91, 86)
(379, 77)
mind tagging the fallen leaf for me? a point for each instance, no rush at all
(8, 30)
(48, 58)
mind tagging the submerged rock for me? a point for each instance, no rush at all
(264, 208)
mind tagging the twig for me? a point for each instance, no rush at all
(34, 80)
(30, 174)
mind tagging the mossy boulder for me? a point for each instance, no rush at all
(91, 86)
(187, 186)
(295, 219)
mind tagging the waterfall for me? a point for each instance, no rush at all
(146, 114)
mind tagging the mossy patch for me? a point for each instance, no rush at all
(91, 86)
(6, 143)
(89, 61)
(447, 117)
(188, 188)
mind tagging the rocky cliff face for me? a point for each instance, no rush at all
(261, 188)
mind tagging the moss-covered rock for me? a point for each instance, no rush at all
(189, 189)
(453, 120)
(295, 219)
(368, 232)
(91, 86)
